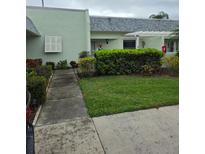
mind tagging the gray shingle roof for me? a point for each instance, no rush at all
(118, 24)
(31, 27)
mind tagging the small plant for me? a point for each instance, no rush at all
(52, 64)
(63, 64)
(30, 74)
(44, 70)
(74, 64)
(171, 63)
(32, 63)
(37, 87)
(83, 54)
(87, 66)
(147, 70)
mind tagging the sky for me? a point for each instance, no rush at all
(116, 8)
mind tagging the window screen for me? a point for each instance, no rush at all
(129, 44)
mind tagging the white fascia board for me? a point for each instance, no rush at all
(149, 33)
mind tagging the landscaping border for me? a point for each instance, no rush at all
(40, 107)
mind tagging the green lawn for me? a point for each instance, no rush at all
(114, 94)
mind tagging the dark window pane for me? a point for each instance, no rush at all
(129, 44)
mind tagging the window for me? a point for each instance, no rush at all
(129, 44)
(53, 44)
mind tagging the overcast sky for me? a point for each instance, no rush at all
(119, 8)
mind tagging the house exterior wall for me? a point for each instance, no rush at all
(72, 25)
(152, 42)
(115, 40)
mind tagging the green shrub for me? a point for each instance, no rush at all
(147, 70)
(126, 61)
(63, 64)
(83, 54)
(52, 64)
(177, 53)
(44, 70)
(36, 85)
(87, 66)
(171, 63)
(30, 72)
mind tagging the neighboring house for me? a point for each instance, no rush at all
(58, 34)
(117, 32)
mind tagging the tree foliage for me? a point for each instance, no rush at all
(160, 15)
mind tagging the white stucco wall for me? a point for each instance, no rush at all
(115, 40)
(72, 25)
(152, 42)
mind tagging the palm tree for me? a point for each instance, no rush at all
(160, 15)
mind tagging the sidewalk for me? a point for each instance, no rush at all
(64, 126)
(153, 131)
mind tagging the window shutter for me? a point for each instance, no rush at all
(53, 44)
(59, 44)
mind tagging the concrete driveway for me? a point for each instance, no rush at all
(153, 131)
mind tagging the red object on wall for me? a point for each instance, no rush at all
(164, 49)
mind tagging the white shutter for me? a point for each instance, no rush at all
(53, 44)
(59, 44)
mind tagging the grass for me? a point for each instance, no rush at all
(115, 94)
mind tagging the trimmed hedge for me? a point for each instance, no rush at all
(127, 61)
(36, 85)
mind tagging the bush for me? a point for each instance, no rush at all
(171, 63)
(52, 64)
(87, 66)
(127, 61)
(37, 87)
(30, 72)
(177, 54)
(83, 54)
(73, 64)
(32, 63)
(44, 70)
(147, 70)
(63, 64)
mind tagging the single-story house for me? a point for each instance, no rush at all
(55, 34)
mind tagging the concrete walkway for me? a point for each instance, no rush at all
(153, 131)
(63, 126)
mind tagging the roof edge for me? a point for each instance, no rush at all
(55, 8)
(95, 16)
(35, 32)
